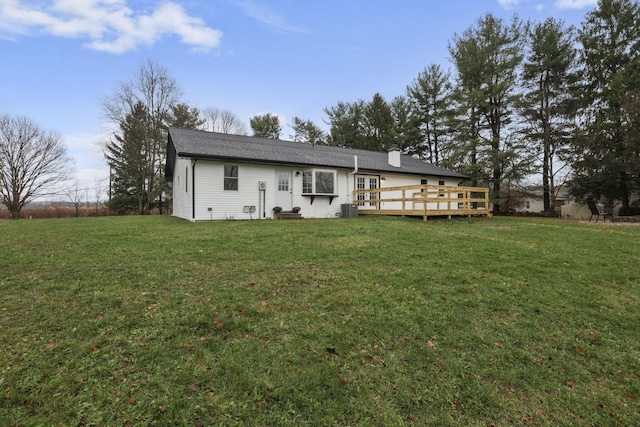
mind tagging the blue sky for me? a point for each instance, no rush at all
(60, 58)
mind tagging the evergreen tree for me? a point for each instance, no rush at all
(347, 124)
(378, 125)
(487, 59)
(605, 163)
(549, 71)
(430, 94)
(306, 131)
(183, 116)
(131, 167)
(406, 133)
(148, 100)
(266, 126)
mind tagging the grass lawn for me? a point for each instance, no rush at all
(368, 321)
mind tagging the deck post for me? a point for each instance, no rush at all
(424, 202)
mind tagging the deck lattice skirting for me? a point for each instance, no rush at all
(423, 200)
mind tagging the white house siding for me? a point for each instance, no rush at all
(182, 188)
(226, 204)
(212, 202)
(322, 206)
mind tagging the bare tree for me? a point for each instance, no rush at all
(222, 121)
(98, 192)
(76, 196)
(153, 94)
(32, 163)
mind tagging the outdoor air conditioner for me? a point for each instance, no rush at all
(349, 210)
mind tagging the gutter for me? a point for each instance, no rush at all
(352, 173)
(193, 189)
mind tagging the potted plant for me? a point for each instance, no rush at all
(295, 209)
(277, 209)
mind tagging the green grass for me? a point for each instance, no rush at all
(155, 321)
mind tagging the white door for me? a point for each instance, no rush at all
(283, 190)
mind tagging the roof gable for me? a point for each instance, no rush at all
(247, 149)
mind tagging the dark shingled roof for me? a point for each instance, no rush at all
(247, 149)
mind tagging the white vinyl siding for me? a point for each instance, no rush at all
(181, 189)
(206, 179)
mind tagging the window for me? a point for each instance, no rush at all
(325, 182)
(360, 186)
(441, 183)
(319, 182)
(283, 181)
(373, 183)
(231, 177)
(423, 182)
(186, 179)
(307, 182)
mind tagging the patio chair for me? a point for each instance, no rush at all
(596, 212)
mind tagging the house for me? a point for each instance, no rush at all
(222, 176)
(531, 200)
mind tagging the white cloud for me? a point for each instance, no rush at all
(109, 25)
(575, 4)
(268, 17)
(508, 3)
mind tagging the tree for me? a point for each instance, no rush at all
(153, 93)
(346, 124)
(33, 162)
(76, 196)
(222, 121)
(363, 125)
(549, 73)
(430, 94)
(184, 116)
(266, 126)
(487, 58)
(306, 131)
(128, 155)
(605, 163)
(406, 133)
(378, 124)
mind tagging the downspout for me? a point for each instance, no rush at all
(355, 171)
(193, 189)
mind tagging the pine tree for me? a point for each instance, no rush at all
(549, 72)
(605, 163)
(487, 59)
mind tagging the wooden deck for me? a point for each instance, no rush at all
(423, 200)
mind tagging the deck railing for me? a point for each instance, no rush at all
(423, 200)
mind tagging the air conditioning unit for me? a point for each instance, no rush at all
(349, 210)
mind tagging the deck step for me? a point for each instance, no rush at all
(288, 215)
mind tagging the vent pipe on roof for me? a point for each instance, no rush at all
(394, 156)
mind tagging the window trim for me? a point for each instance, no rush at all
(230, 178)
(314, 182)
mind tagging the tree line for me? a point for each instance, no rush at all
(521, 99)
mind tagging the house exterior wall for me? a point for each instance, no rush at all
(182, 188)
(213, 202)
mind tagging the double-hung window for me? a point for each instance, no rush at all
(231, 177)
(319, 182)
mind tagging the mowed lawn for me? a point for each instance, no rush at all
(367, 321)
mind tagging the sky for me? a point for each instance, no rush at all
(59, 59)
